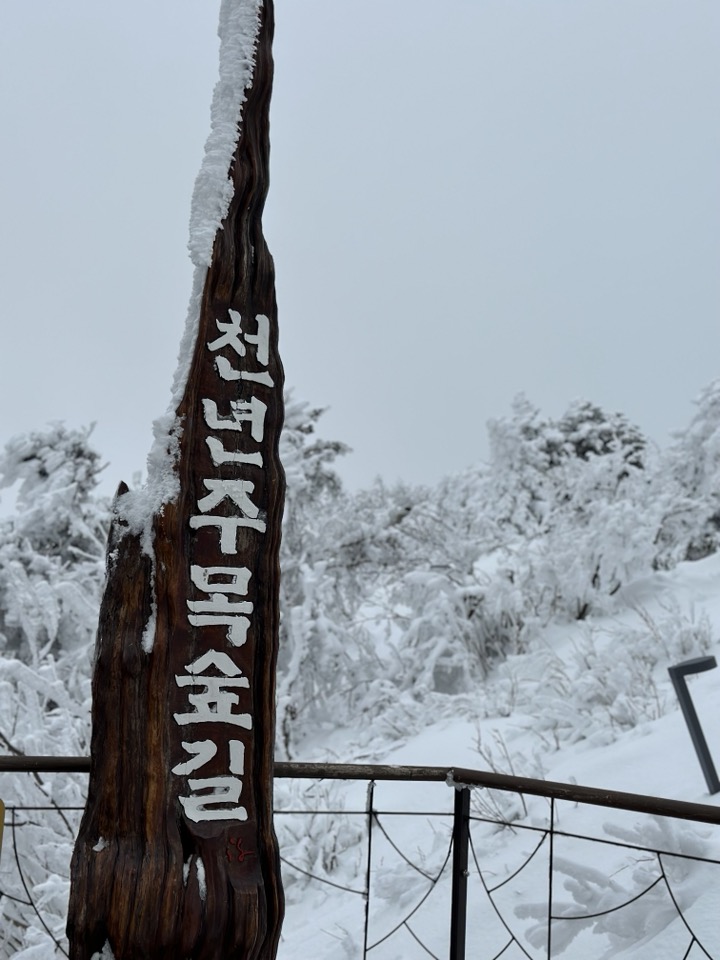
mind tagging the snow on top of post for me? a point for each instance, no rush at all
(238, 30)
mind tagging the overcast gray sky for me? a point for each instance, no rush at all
(468, 199)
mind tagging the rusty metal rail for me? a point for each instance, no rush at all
(454, 776)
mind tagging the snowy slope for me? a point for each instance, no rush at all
(668, 617)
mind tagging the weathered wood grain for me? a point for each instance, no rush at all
(137, 868)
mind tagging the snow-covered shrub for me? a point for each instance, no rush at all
(438, 634)
(614, 682)
(44, 709)
(645, 881)
(573, 517)
(51, 572)
(324, 655)
(424, 544)
(503, 807)
(324, 843)
(688, 486)
(52, 549)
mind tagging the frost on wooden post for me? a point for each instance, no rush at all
(176, 855)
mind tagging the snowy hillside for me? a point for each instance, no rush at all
(574, 709)
(519, 617)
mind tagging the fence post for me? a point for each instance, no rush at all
(458, 907)
(677, 675)
(368, 872)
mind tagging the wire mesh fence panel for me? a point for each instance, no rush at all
(369, 873)
(588, 884)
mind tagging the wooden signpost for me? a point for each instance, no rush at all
(176, 855)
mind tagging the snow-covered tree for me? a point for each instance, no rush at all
(587, 431)
(570, 503)
(51, 570)
(524, 449)
(321, 646)
(52, 549)
(688, 486)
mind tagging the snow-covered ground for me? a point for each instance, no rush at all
(576, 708)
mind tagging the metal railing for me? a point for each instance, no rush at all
(629, 883)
